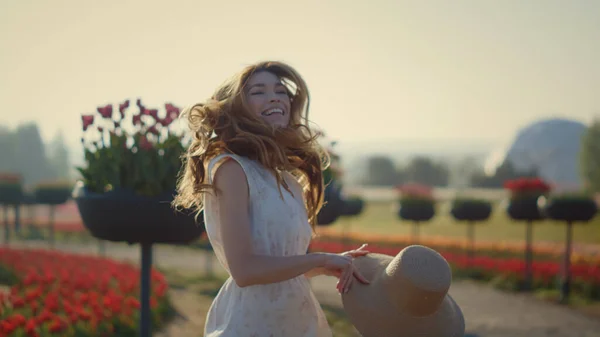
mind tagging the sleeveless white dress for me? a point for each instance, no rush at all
(279, 228)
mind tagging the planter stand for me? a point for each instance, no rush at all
(6, 225)
(417, 212)
(415, 232)
(51, 216)
(528, 286)
(122, 216)
(526, 209)
(471, 236)
(471, 211)
(146, 266)
(565, 284)
(17, 220)
(51, 198)
(569, 210)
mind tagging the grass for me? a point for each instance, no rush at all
(380, 217)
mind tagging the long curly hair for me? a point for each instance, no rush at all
(224, 124)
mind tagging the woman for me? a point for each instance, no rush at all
(255, 169)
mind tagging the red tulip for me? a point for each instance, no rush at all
(87, 121)
(106, 111)
(153, 130)
(172, 111)
(71, 289)
(137, 120)
(122, 107)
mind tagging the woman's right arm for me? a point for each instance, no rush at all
(246, 267)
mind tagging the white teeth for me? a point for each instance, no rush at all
(272, 111)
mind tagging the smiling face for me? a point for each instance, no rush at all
(268, 98)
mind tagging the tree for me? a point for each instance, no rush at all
(504, 172)
(7, 151)
(31, 154)
(59, 157)
(462, 171)
(381, 171)
(590, 157)
(424, 170)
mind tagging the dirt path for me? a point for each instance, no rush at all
(488, 312)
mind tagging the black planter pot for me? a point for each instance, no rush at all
(52, 196)
(122, 215)
(471, 210)
(334, 205)
(571, 210)
(353, 207)
(11, 194)
(418, 211)
(524, 208)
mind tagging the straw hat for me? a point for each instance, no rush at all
(407, 296)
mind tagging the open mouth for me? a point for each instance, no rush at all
(273, 111)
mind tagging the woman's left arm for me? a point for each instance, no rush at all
(315, 272)
(322, 271)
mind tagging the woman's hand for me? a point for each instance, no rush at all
(340, 266)
(360, 251)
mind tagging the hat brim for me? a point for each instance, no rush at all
(373, 314)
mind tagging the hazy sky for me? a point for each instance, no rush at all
(376, 69)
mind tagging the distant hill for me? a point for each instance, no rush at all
(552, 146)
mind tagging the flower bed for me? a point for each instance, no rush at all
(58, 294)
(505, 272)
(543, 251)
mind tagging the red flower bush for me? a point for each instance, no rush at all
(10, 178)
(414, 190)
(527, 186)
(62, 294)
(586, 276)
(118, 145)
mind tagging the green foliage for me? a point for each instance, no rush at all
(22, 150)
(474, 202)
(505, 172)
(590, 157)
(416, 200)
(58, 157)
(7, 276)
(145, 160)
(424, 170)
(382, 171)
